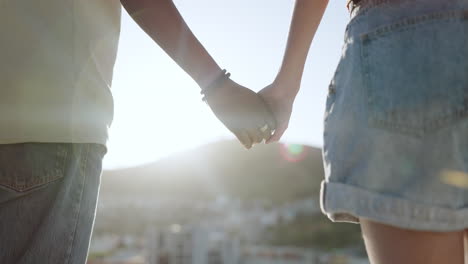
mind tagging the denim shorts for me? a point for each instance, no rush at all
(396, 118)
(48, 194)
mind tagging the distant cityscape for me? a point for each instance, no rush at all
(228, 233)
(220, 204)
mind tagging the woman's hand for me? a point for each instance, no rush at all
(243, 112)
(279, 96)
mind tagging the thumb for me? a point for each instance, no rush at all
(279, 131)
(269, 115)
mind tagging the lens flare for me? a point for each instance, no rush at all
(293, 152)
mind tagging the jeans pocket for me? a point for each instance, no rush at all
(26, 166)
(416, 73)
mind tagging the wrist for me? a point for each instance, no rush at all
(289, 76)
(216, 84)
(208, 77)
(291, 72)
(287, 86)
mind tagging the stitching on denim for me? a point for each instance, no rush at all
(364, 73)
(43, 180)
(394, 208)
(82, 170)
(427, 127)
(366, 7)
(58, 170)
(411, 23)
(402, 26)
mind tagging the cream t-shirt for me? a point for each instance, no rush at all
(56, 64)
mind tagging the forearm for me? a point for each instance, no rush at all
(161, 20)
(306, 19)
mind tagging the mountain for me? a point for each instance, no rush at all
(278, 172)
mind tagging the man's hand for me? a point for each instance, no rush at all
(243, 112)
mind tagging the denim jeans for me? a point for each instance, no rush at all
(396, 120)
(48, 195)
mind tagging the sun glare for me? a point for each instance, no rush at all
(156, 118)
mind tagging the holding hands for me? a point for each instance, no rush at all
(252, 117)
(243, 112)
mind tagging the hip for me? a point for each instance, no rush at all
(403, 66)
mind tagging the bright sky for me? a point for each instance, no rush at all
(158, 108)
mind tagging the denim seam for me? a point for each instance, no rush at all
(83, 172)
(411, 23)
(360, 205)
(362, 9)
(402, 26)
(59, 170)
(44, 180)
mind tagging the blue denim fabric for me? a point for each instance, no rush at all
(396, 119)
(48, 195)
